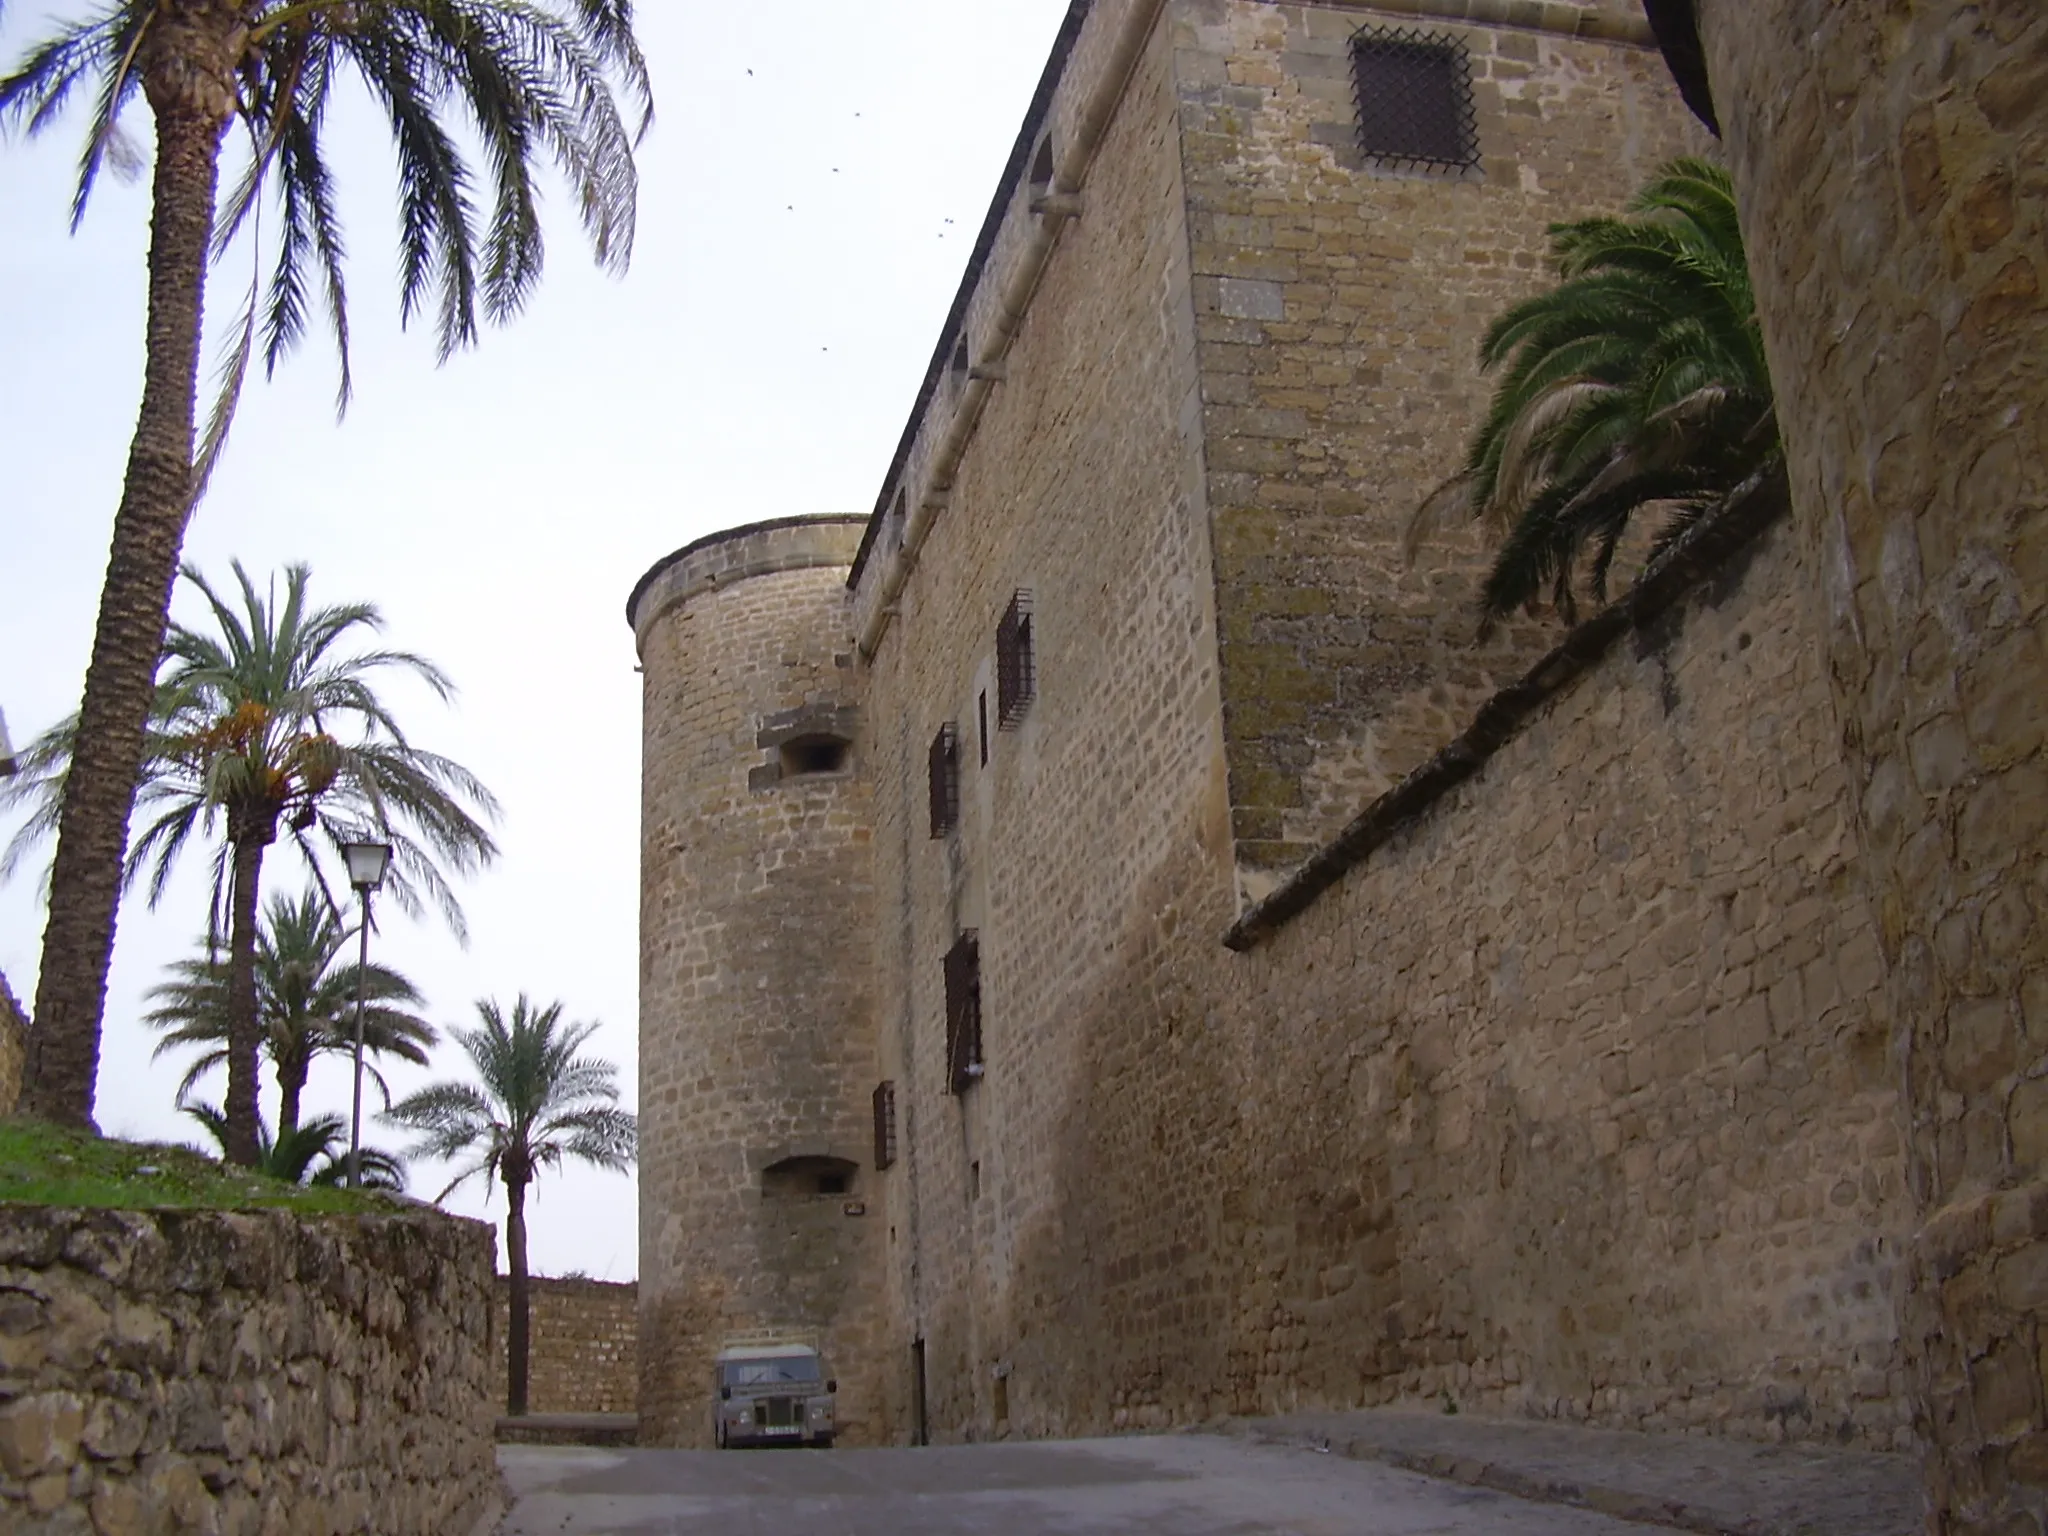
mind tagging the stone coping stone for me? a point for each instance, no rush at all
(1699, 1483)
(569, 1429)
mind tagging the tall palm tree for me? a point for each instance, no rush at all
(539, 1104)
(314, 1153)
(241, 742)
(1638, 381)
(305, 1003)
(525, 80)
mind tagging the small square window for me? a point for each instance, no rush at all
(1414, 99)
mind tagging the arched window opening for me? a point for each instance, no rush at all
(810, 756)
(797, 1178)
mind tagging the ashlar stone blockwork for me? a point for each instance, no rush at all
(1339, 308)
(1892, 165)
(756, 1029)
(1574, 1100)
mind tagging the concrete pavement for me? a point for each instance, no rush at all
(1169, 1485)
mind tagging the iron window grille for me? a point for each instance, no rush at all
(963, 1012)
(1414, 100)
(944, 769)
(885, 1124)
(1016, 665)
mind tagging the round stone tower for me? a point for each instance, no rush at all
(757, 1043)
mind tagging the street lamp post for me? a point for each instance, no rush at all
(367, 863)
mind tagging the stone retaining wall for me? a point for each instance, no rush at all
(583, 1352)
(244, 1372)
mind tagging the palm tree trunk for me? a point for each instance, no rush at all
(516, 1333)
(149, 531)
(291, 1085)
(245, 1033)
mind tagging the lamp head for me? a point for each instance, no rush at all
(367, 863)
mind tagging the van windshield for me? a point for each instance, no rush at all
(769, 1373)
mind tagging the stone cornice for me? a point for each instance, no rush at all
(1527, 15)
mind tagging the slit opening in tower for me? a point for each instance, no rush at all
(794, 1178)
(815, 755)
(1041, 169)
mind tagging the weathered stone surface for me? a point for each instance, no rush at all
(1339, 387)
(582, 1350)
(756, 1007)
(13, 1046)
(134, 1398)
(1889, 159)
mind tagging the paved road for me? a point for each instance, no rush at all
(1176, 1485)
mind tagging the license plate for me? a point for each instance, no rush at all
(781, 1429)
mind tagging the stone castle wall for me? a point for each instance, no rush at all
(1484, 1124)
(13, 1047)
(1577, 1099)
(756, 1031)
(1889, 161)
(583, 1351)
(1573, 1100)
(1340, 306)
(1083, 486)
(206, 1371)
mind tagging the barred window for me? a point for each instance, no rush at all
(885, 1124)
(1414, 99)
(944, 770)
(963, 1012)
(1016, 666)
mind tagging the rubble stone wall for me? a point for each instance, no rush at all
(245, 1373)
(583, 1349)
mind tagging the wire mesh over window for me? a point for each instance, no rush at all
(963, 1012)
(885, 1124)
(944, 771)
(1414, 100)
(1016, 666)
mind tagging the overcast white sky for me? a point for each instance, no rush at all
(802, 232)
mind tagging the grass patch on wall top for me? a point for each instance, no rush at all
(41, 1164)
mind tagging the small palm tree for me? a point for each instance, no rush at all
(1639, 381)
(510, 83)
(539, 1104)
(305, 1003)
(314, 1153)
(242, 744)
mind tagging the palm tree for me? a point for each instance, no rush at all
(526, 80)
(241, 742)
(1638, 381)
(539, 1104)
(305, 1003)
(314, 1153)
